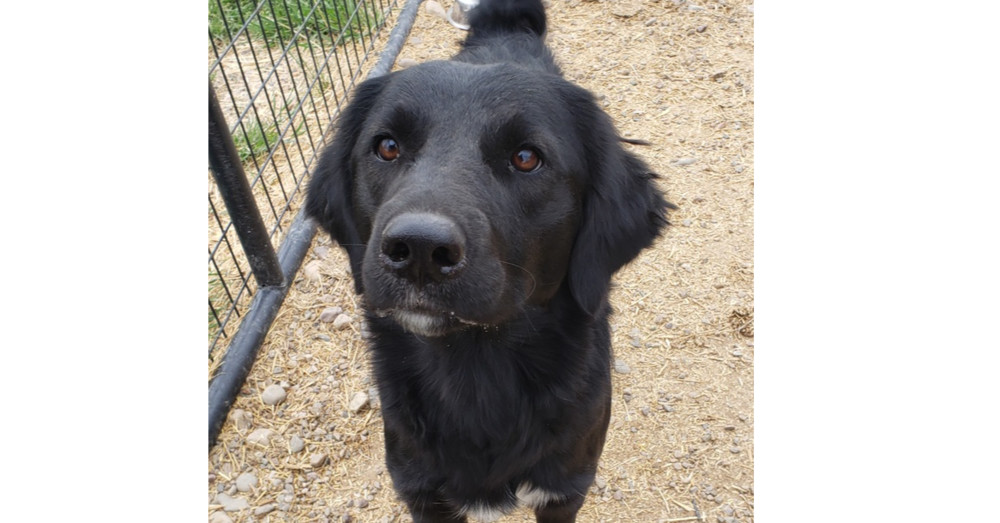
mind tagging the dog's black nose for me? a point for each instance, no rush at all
(422, 247)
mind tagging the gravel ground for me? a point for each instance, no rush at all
(304, 442)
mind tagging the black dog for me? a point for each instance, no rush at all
(485, 203)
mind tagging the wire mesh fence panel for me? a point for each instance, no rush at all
(281, 70)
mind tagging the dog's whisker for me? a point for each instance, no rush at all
(534, 281)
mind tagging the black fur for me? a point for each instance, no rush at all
(485, 287)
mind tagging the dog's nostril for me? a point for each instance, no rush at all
(398, 252)
(446, 256)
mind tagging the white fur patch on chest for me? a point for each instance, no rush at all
(535, 497)
(483, 513)
(527, 494)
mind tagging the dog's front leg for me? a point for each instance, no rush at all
(435, 510)
(560, 511)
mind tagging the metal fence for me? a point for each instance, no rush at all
(279, 72)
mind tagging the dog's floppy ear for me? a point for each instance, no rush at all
(623, 211)
(330, 197)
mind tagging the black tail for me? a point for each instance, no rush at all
(501, 17)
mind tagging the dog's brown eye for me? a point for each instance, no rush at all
(526, 160)
(387, 149)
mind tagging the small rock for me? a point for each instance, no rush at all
(311, 271)
(735, 450)
(600, 483)
(241, 419)
(296, 444)
(404, 63)
(231, 504)
(625, 9)
(329, 314)
(246, 482)
(358, 401)
(362, 503)
(645, 411)
(621, 367)
(220, 517)
(321, 251)
(684, 161)
(618, 495)
(435, 9)
(317, 460)
(273, 395)
(264, 509)
(260, 437)
(323, 337)
(373, 398)
(701, 28)
(727, 510)
(342, 322)
(678, 453)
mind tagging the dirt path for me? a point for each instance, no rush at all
(680, 446)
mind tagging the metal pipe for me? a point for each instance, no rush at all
(242, 351)
(394, 44)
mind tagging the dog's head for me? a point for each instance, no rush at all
(464, 193)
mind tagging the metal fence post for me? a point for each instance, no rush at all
(235, 190)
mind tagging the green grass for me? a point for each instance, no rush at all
(259, 138)
(262, 136)
(284, 17)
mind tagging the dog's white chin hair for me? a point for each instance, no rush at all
(427, 325)
(421, 324)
